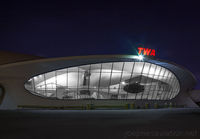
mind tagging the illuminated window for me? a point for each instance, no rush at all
(117, 80)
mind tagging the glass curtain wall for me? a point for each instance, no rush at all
(116, 80)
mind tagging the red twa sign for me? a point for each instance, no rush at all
(146, 51)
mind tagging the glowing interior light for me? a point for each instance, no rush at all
(123, 83)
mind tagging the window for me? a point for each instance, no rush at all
(116, 80)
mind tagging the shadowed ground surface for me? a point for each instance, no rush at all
(108, 124)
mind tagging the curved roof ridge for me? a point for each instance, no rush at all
(7, 57)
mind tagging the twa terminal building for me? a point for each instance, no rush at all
(33, 82)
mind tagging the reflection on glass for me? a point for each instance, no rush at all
(117, 80)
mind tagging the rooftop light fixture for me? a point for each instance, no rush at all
(139, 57)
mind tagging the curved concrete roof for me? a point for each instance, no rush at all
(11, 57)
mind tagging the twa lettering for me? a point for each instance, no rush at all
(146, 51)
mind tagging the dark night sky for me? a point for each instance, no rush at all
(62, 28)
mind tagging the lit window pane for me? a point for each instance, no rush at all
(138, 67)
(146, 68)
(157, 70)
(152, 69)
(117, 66)
(128, 66)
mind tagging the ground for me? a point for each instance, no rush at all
(104, 124)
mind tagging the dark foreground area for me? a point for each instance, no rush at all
(104, 124)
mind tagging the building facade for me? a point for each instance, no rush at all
(98, 80)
